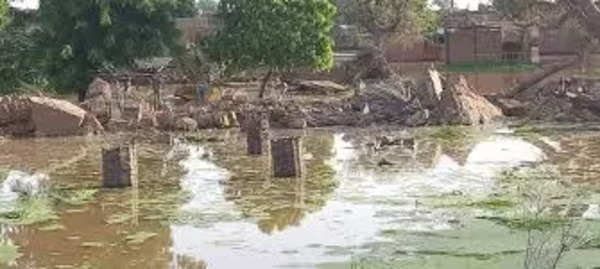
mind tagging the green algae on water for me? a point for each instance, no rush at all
(139, 237)
(76, 197)
(119, 218)
(29, 211)
(92, 244)
(52, 227)
(8, 252)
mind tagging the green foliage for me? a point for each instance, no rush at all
(30, 210)
(274, 34)
(186, 8)
(4, 18)
(80, 37)
(390, 20)
(19, 60)
(8, 252)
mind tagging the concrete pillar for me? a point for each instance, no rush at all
(257, 134)
(286, 154)
(119, 166)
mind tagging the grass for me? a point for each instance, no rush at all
(450, 133)
(76, 197)
(8, 252)
(52, 227)
(490, 67)
(528, 224)
(29, 211)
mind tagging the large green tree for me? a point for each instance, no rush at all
(80, 37)
(274, 35)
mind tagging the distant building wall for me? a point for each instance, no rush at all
(421, 50)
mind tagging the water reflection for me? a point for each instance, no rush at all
(211, 206)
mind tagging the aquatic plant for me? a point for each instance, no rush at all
(29, 210)
(75, 197)
(139, 237)
(52, 227)
(8, 252)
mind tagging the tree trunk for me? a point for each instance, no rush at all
(263, 86)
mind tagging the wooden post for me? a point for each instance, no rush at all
(286, 154)
(257, 133)
(119, 166)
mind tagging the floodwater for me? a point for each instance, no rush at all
(460, 198)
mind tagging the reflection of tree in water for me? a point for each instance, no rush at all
(551, 216)
(187, 262)
(546, 248)
(279, 203)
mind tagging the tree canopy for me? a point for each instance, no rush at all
(80, 37)
(274, 34)
(3, 13)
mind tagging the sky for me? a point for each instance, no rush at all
(471, 4)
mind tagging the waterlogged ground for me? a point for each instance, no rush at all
(461, 198)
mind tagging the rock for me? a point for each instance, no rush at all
(52, 117)
(98, 100)
(14, 110)
(459, 104)
(512, 107)
(205, 120)
(419, 118)
(384, 162)
(318, 87)
(165, 120)
(297, 124)
(430, 93)
(409, 143)
(186, 124)
(233, 120)
(186, 92)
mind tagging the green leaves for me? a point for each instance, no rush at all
(3, 13)
(277, 34)
(81, 36)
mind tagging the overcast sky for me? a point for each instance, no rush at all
(472, 4)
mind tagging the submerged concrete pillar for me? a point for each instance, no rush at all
(286, 154)
(257, 134)
(119, 166)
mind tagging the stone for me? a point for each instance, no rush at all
(205, 120)
(98, 100)
(384, 162)
(165, 120)
(297, 124)
(512, 107)
(14, 110)
(119, 166)
(285, 155)
(430, 93)
(419, 118)
(186, 124)
(318, 87)
(257, 134)
(459, 104)
(53, 117)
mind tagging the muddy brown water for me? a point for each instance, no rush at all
(208, 205)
